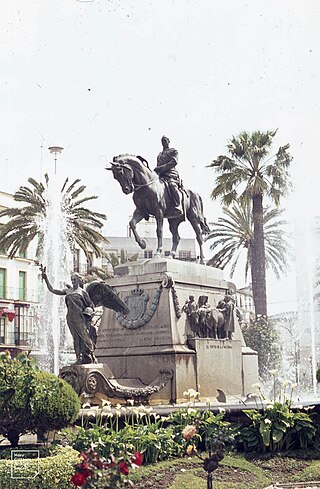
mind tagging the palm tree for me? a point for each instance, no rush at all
(24, 223)
(232, 235)
(116, 260)
(249, 174)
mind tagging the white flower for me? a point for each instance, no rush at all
(267, 421)
(105, 402)
(130, 401)
(274, 372)
(191, 411)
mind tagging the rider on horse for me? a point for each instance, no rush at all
(166, 169)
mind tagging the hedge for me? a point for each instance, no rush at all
(53, 472)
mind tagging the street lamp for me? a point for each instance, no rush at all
(55, 150)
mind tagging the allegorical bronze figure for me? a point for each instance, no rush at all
(80, 303)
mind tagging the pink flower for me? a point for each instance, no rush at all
(123, 468)
(189, 432)
(137, 458)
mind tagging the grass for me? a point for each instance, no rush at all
(235, 472)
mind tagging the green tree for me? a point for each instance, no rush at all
(249, 173)
(31, 400)
(24, 223)
(261, 336)
(232, 236)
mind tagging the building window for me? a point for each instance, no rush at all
(76, 261)
(148, 254)
(3, 280)
(22, 326)
(2, 330)
(22, 286)
(185, 255)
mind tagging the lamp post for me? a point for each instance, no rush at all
(55, 150)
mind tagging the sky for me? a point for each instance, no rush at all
(100, 78)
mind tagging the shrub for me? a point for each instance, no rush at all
(54, 405)
(31, 400)
(17, 388)
(53, 472)
(261, 336)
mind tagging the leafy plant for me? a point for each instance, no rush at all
(275, 425)
(140, 430)
(95, 472)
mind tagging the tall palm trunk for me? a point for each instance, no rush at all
(258, 260)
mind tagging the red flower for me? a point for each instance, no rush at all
(137, 458)
(123, 468)
(79, 479)
(84, 469)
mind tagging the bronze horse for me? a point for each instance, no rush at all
(210, 323)
(151, 197)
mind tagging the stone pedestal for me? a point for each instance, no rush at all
(156, 334)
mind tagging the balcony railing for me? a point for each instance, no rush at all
(12, 338)
(18, 294)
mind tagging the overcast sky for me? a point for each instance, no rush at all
(100, 78)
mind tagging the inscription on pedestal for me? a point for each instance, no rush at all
(219, 347)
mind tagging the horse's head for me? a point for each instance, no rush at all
(123, 173)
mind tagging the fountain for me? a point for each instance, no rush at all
(58, 259)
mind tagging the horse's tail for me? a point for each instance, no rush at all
(203, 222)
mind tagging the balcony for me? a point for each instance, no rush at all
(16, 294)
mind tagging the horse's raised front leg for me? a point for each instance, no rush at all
(159, 220)
(173, 226)
(137, 217)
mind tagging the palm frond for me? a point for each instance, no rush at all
(24, 222)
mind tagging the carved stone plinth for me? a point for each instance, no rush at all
(95, 382)
(156, 334)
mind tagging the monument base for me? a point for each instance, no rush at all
(156, 335)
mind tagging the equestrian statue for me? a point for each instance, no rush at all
(160, 193)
